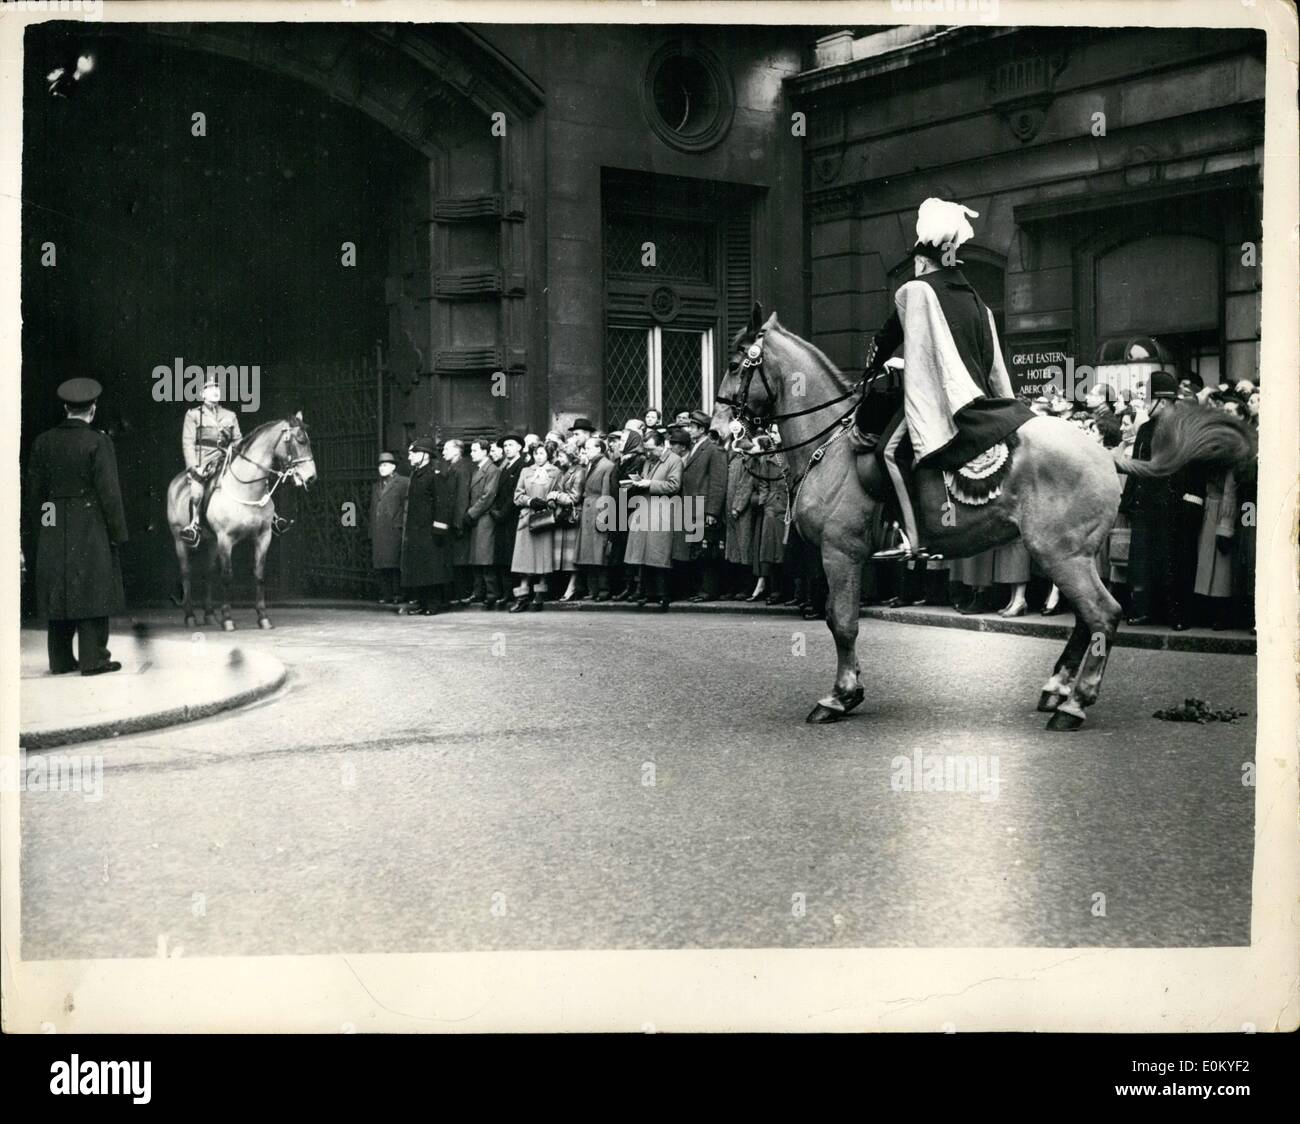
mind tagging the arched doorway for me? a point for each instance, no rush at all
(205, 196)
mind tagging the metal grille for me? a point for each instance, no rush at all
(627, 375)
(683, 251)
(342, 422)
(680, 372)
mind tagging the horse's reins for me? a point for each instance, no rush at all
(752, 362)
(269, 470)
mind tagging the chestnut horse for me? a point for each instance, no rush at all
(1060, 496)
(240, 507)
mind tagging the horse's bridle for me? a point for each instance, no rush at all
(269, 471)
(750, 418)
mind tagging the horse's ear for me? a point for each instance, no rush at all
(756, 319)
(296, 417)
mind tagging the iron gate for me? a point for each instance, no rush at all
(343, 420)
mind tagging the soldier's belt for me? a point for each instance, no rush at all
(210, 443)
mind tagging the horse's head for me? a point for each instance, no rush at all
(295, 452)
(747, 393)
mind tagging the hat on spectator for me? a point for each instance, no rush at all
(79, 392)
(424, 445)
(700, 418)
(678, 436)
(387, 458)
(583, 423)
(515, 437)
(1163, 385)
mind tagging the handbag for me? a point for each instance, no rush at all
(1120, 538)
(566, 515)
(541, 520)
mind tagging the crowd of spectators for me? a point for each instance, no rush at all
(515, 522)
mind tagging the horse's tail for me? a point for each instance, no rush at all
(1190, 434)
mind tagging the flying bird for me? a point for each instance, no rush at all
(64, 83)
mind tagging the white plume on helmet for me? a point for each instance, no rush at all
(943, 224)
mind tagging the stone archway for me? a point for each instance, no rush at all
(461, 300)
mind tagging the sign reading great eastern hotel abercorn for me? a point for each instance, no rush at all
(1034, 361)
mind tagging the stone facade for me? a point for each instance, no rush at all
(1117, 174)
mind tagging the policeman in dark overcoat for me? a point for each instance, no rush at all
(75, 507)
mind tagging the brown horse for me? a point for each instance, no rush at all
(1060, 496)
(240, 507)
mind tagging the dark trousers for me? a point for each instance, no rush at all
(428, 596)
(597, 578)
(463, 585)
(389, 583)
(92, 644)
(654, 583)
(487, 583)
(708, 568)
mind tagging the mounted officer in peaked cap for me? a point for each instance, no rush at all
(209, 429)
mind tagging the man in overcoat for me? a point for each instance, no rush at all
(386, 517)
(460, 470)
(704, 491)
(75, 506)
(483, 487)
(426, 536)
(504, 513)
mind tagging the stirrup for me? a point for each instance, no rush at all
(191, 535)
(906, 552)
(280, 525)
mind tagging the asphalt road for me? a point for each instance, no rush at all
(583, 780)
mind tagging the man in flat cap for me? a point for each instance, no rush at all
(957, 396)
(385, 516)
(205, 434)
(75, 506)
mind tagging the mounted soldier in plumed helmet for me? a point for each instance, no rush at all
(208, 431)
(957, 396)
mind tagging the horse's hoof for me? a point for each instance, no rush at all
(1048, 701)
(264, 622)
(1064, 721)
(228, 625)
(855, 699)
(208, 618)
(820, 715)
(191, 622)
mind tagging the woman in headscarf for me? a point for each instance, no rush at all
(534, 555)
(631, 458)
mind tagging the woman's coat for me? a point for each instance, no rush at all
(599, 490)
(534, 550)
(650, 514)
